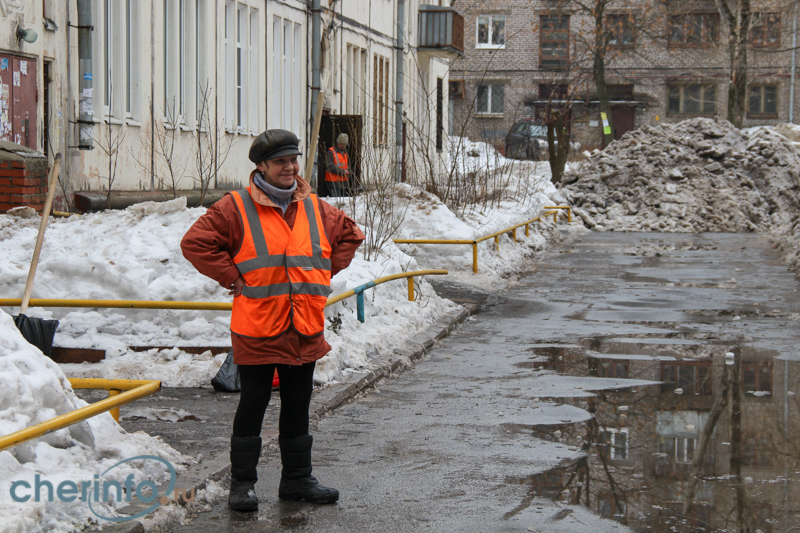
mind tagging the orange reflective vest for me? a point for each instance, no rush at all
(287, 272)
(340, 160)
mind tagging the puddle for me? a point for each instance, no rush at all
(689, 454)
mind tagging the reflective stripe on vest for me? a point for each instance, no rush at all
(286, 271)
(338, 159)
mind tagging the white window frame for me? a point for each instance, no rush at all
(612, 443)
(230, 66)
(253, 108)
(199, 59)
(277, 84)
(132, 61)
(489, 21)
(297, 112)
(489, 111)
(176, 75)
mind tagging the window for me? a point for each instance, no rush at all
(608, 368)
(201, 80)
(765, 29)
(610, 507)
(757, 378)
(553, 92)
(620, 30)
(380, 100)
(614, 443)
(241, 53)
(491, 99)
(756, 450)
(692, 99)
(355, 74)
(108, 58)
(690, 376)
(491, 31)
(695, 29)
(681, 449)
(175, 61)
(554, 41)
(116, 69)
(763, 100)
(456, 89)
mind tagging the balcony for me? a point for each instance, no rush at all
(441, 32)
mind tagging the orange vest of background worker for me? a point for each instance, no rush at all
(287, 271)
(337, 165)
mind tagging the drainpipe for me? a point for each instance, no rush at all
(398, 126)
(153, 100)
(794, 52)
(316, 43)
(85, 99)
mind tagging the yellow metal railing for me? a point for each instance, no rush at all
(208, 306)
(359, 291)
(134, 389)
(554, 210)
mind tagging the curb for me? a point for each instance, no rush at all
(331, 398)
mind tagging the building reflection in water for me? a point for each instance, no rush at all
(644, 460)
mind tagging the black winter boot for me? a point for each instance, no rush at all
(297, 483)
(244, 458)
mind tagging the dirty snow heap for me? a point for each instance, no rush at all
(693, 176)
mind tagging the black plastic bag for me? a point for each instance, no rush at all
(38, 331)
(227, 379)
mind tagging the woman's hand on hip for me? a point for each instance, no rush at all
(236, 288)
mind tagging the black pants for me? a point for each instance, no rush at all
(256, 381)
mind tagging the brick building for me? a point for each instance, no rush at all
(666, 61)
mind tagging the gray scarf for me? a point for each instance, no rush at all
(281, 197)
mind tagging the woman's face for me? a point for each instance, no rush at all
(280, 172)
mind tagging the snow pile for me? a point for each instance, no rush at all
(696, 175)
(35, 390)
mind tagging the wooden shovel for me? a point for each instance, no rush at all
(37, 331)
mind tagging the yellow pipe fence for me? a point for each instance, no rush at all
(134, 389)
(551, 210)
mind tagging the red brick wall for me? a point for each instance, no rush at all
(20, 185)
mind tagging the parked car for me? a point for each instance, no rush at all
(527, 139)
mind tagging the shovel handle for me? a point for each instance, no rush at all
(312, 149)
(48, 204)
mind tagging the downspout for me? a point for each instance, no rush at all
(794, 52)
(152, 100)
(398, 121)
(316, 44)
(85, 99)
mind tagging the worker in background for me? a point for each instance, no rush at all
(275, 246)
(338, 168)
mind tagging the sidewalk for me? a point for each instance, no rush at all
(197, 421)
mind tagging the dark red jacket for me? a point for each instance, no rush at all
(212, 241)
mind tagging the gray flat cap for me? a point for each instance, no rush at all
(272, 144)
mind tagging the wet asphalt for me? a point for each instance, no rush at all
(496, 429)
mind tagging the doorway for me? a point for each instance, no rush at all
(330, 128)
(18, 100)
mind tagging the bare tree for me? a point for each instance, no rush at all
(212, 143)
(737, 15)
(110, 140)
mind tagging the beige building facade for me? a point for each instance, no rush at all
(176, 91)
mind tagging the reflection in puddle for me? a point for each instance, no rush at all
(715, 447)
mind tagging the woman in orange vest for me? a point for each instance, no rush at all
(338, 167)
(275, 245)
